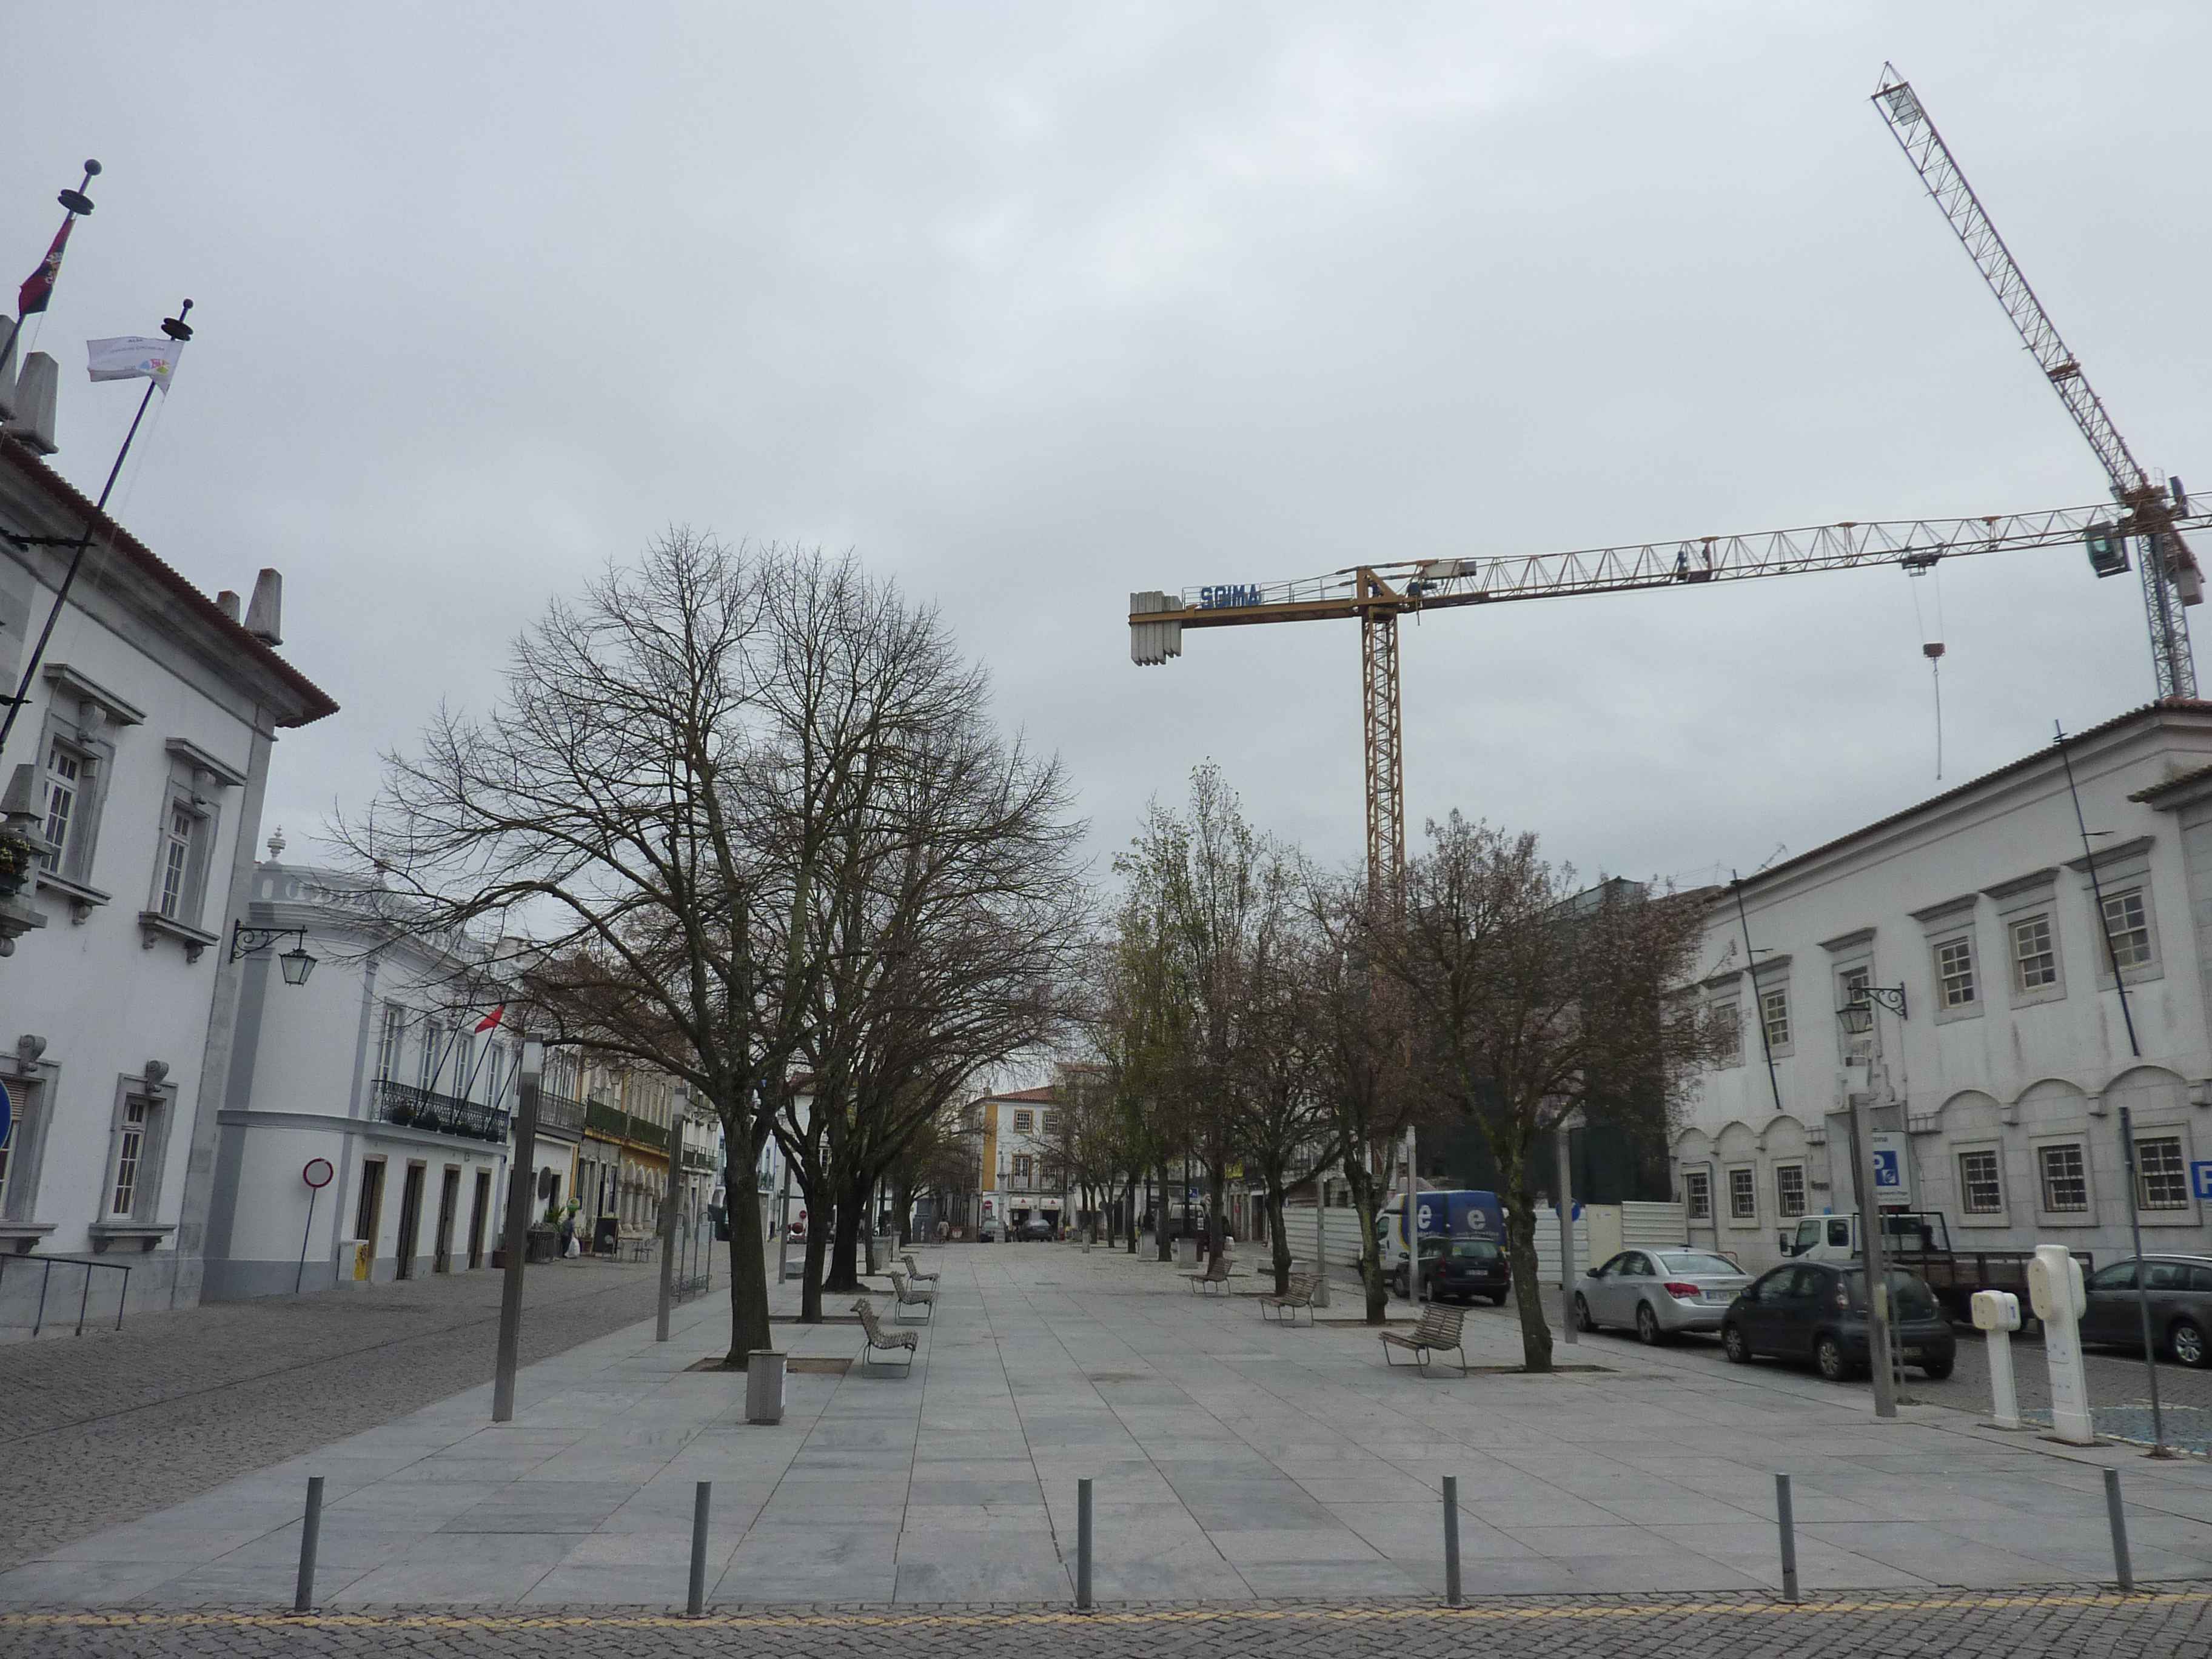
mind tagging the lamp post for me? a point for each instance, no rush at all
(1856, 1017)
(296, 963)
(521, 1189)
(1569, 1122)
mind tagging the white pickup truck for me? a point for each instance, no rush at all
(1919, 1242)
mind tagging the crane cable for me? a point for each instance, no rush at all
(1932, 649)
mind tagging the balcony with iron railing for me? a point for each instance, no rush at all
(613, 1123)
(424, 1109)
(559, 1114)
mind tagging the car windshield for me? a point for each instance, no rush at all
(1474, 1249)
(1909, 1295)
(1696, 1261)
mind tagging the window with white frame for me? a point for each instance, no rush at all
(1743, 1193)
(1023, 1168)
(1023, 1122)
(174, 887)
(1774, 1014)
(2161, 1174)
(133, 1165)
(389, 1040)
(1790, 1190)
(2065, 1178)
(1728, 1033)
(1044, 1123)
(73, 759)
(1981, 1181)
(1697, 1194)
(426, 1070)
(2128, 927)
(2034, 954)
(65, 781)
(1954, 973)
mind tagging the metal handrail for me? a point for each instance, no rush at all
(84, 1297)
(425, 1108)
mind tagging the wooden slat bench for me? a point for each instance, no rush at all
(1437, 1333)
(1216, 1276)
(891, 1341)
(911, 1295)
(914, 1269)
(1297, 1292)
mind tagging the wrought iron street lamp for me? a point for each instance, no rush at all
(296, 963)
(1856, 1016)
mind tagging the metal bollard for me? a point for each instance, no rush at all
(310, 1527)
(1785, 1518)
(2122, 1566)
(1083, 1545)
(1452, 1596)
(702, 1498)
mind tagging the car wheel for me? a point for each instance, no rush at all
(1828, 1354)
(2187, 1342)
(1734, 1345)
(1647, 1326)
(1582, 1320)
(1938, 1370)
(1498, 1300)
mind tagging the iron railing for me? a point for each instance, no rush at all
(424, 1108)
(615, 1124)
(558, 1113)
(85, 1296)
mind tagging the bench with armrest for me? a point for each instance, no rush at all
(1297, 1292)
(1216, 1276)
(1438, 1332)
(911, 1295)
(914, 1269)
(891, 1341)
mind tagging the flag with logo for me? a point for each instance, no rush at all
(135, 357)
(38, 287)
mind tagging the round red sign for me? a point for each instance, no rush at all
(317, 1172)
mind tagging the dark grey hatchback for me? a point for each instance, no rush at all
(1817, 1310)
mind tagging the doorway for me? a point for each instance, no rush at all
(411, 1219)
(449, 1202)
(477, 1226)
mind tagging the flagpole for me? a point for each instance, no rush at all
(180, 330)
(78, 206)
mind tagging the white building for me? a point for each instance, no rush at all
(2006, 1073)
(135, 773)
(374, 1076)
(1019, 1175)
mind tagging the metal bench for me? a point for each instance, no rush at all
(1216, 1276)
(891, 1341)
(1297, 1292)
(914, 1269)
(1437, 1333)
(911, 1295)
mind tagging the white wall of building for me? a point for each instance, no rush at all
(2034, 1055)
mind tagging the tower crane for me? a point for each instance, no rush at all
(2171, 580)
(1377, 595)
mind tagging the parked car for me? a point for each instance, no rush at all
(1919, 1242)
(1461, 1269)
(1660, 1293)
(1035, 1230)
(1817, 1310)
(2180, 1290)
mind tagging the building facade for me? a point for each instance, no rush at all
(1018, 1175)
(132, 784)
(1981, 913)
(375, 1075)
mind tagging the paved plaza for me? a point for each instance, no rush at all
(1241, 1470)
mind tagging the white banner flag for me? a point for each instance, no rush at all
(135, 357)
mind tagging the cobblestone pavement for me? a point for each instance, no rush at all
(102, 1428)
(2052, 1622)
(2119, 1389)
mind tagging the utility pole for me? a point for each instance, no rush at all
(1876, 1258)
(1567, 1126)
(521, 1190)
(1412, 1220)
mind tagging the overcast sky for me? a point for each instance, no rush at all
(1036, 306)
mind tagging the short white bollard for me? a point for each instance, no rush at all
(1996, 1314)
(2055, 1289)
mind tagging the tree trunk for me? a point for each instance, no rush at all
(1160, 1221)
(845, 1248)
(1217, 1231)
(748, 1274)
(810, 1286)
(1528, 1291)
(1359, 1176)
(1130, 1210)
(1280, 1245)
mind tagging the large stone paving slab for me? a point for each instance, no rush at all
(1233, 1459)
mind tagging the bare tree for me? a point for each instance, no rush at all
(1533, 998)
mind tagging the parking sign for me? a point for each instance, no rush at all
(1893, 1179)
(2200, 1179)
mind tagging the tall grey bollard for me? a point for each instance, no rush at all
(1785, 1520)
(1452, 1597)
(2123, 1568)
(310, 1527)
(1083, 1544)
(702, 1498)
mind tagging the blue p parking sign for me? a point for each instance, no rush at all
(2200, 1179)
(8, 1116)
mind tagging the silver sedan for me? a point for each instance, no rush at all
(1660, 1293)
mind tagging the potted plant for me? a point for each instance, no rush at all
(17, 861)
(402, 1112)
